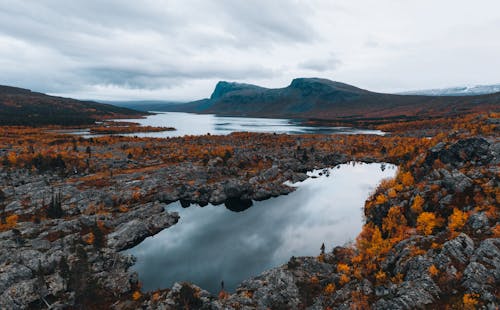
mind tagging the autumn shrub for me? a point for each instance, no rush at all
(457, 220)
(426, 222)
(417, 204)
(10, 222)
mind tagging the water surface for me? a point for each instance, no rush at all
(201, 124)
(212, 243)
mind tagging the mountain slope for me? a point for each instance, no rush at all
(20, 106)
(325, 99)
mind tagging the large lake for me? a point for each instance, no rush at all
(201, 124)
(212, 243)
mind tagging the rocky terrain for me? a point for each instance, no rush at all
(460, 269)
(69, 206)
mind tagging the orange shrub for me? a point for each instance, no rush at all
(407, 179)
(10, 222)
(470, 301)
(456, 220)
(381, 199)
(329, 289)
(136, 295)
(394, 224)
(380, 277)
(426, 222)
(433, 270)
(418, 202)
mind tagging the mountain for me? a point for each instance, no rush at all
(457, 91)
(324, 99)
(143, 105)
(19, 106)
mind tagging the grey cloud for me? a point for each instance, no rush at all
(151, 45)
(329, 63)
(172, 46)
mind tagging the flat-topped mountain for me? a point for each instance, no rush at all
(19, 106)
(326, 99)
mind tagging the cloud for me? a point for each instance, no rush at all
(329, 63)
(179, 49)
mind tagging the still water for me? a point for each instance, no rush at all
(201, 124)
(212, 243)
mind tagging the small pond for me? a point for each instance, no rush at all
(212, 243)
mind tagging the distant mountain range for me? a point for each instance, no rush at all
(324, 99)
(19, 106)
(143, 105)
(457, 91)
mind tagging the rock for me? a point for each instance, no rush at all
(19, 295)
(132, 233)
(477, 279)
(456, 181)
(235, 189)
(488, 254)
(463, 151)
(478, 221)
(459, 249)
(274, 289)
(13, 273)
(409, 295)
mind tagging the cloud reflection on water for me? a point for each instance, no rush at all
(212, 243)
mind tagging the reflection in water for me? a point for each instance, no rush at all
(201, 124)
(212, 243)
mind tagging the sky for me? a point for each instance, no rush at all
(178, 50)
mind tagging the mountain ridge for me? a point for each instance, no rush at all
(325, 99)
(20, 106)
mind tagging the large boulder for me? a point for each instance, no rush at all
(463, 151)
(459, 249)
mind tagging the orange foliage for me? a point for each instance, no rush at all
(380, 199)
(418, 202)
(457, 220)
(343, 268)
(329, 289)
(426, 222)
(433, 270)
(136, 295)
(90, 238)
(496, 231)
(314, 280)
(470, 301)
(407, 179)
(359, 301)
(394, 224)
(10, 222)
(344, 279)
(380, 277)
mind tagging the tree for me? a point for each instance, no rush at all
(394, 224)
(456, 220)
(54, 210)
(418, 202)
(426, 222)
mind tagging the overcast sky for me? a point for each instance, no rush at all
(178, 50)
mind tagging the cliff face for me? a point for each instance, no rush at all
(325, 99)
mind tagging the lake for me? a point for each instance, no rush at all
(201, 124)
(210, 244)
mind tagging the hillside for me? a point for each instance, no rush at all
(20, 106)
(325, 99)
